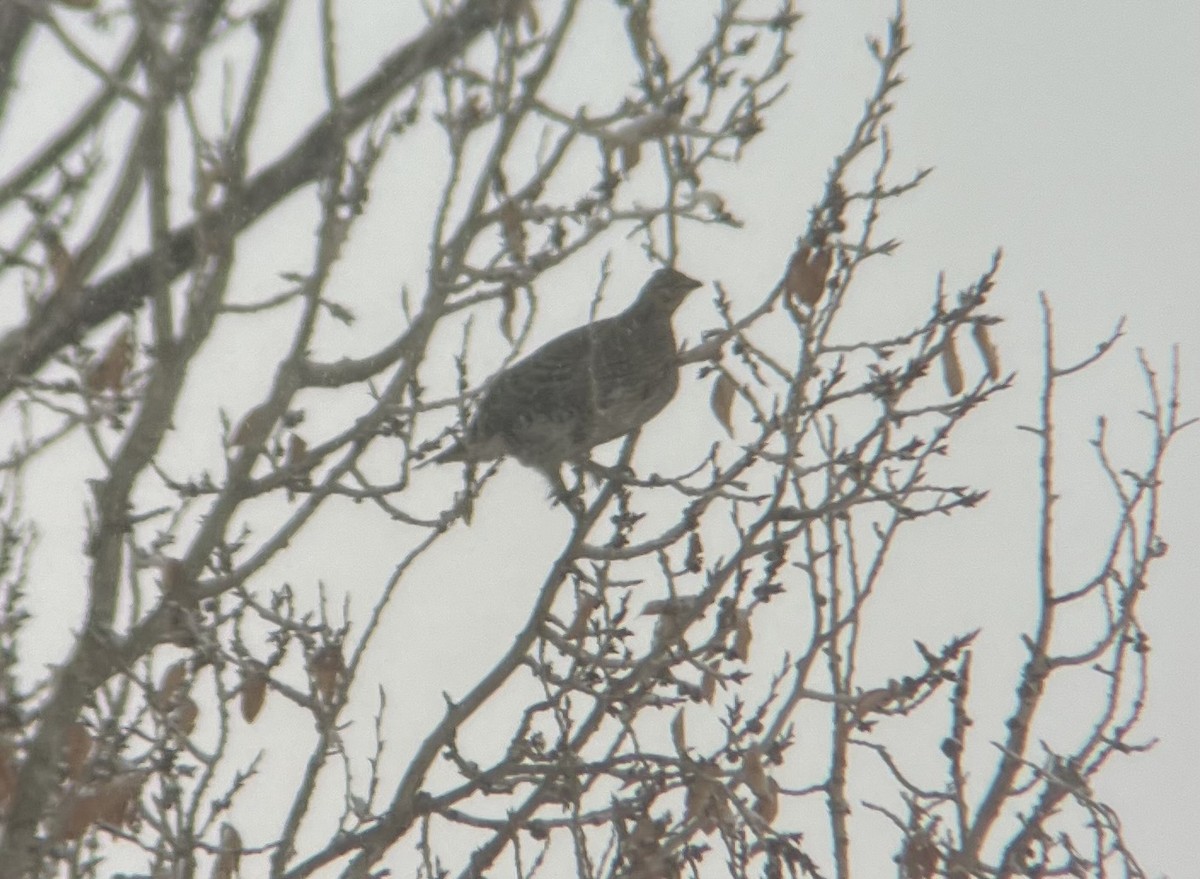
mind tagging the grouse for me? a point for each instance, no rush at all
(593, 384)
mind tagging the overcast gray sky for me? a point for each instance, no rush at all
(1065, 133)
(1069, 134)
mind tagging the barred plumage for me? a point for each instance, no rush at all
(588, 386)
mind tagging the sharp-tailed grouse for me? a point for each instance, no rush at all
(586, 387)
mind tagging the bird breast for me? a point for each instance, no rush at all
(584, 388)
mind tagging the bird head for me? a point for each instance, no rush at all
(665, 290)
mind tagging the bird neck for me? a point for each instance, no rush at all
(652, 312)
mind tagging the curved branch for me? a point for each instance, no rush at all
(26, 349)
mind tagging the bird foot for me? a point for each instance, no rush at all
(572, 502)
(603, 471)
(560, 494)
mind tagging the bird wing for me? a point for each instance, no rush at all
(589, 385)
(633, 360)
(551, 385)
(553, 376)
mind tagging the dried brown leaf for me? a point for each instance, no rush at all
(708, 686)
(297, 448)
(991, 357)
(699, 797)
(754, 774)
(679, 734)
(254, 691)
(117, 798)
(952, 373)
(508, 311)
(326, 667)
(721, 401)
(183, 716)
(112, 802)
(58, 258)
(512, 227)
(920, 856)
(77, 748)
(229, 854)
(171, 683)
(631, 155)
(705, 803)
(78, 811)
(742, 637)
(807, 273)
(109, 371)
(819, 265)
(766, 805)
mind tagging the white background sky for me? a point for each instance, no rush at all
(1067, 134)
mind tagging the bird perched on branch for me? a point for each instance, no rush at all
(593, 384)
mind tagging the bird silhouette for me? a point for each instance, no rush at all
(586, 387)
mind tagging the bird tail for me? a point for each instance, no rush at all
(455, 454)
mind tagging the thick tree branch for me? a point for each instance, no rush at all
(24, 350)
